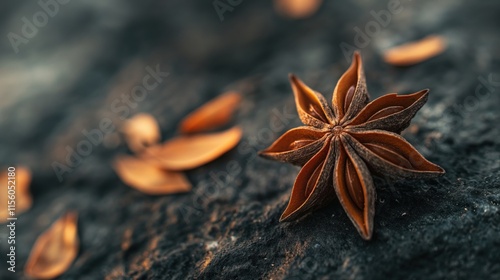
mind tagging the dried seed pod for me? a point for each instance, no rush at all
(340, 142)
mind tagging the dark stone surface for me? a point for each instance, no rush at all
(66, 77)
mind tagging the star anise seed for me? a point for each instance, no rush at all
(341, 145)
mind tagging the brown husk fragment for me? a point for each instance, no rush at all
(146, 177)
(23, 200)
(141, 131)
(191, 151)
(211, 115)
(297, 8)
(55, 249)
(415, 52)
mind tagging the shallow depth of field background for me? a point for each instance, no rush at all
(90, 54)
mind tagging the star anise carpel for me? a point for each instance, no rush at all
(342, 145)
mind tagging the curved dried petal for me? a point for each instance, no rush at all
(55, 249)
(21, 181)
(188, 152)
(354, 187)
(350, 94)
(392, 155)
(141, 131)
(312, 106)
(415, 52)
(213, 114)
(149, 178)
(310, 189)
(296, 146)
(390, 112)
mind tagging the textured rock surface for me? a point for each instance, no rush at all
(66, 78)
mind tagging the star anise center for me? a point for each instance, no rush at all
(337, 130)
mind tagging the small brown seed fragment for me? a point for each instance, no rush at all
(415, 52)
(55, 250)
(141, 131)
(211, 115)
(21, 182)
(148, 178)
(297, 8)
(191, 151)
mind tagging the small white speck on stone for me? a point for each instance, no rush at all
(211, 245)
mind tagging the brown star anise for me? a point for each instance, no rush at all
(341, 145)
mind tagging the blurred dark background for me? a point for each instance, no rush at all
(70, 71)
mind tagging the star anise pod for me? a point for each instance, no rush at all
(340, 146)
